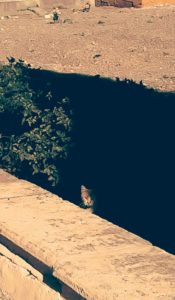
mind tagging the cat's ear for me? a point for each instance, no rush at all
(83, 188)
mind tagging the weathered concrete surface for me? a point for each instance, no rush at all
(21, 280)
(95, 258)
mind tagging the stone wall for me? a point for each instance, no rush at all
(119, 3)
(10, 7)
(15, 270)
(72, 254)
(133, 3)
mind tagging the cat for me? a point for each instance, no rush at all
(88, 199)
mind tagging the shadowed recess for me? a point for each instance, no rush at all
(123, 150)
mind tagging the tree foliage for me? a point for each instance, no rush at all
(35, 127)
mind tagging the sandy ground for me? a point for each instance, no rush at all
(3, 295)
(134, 43)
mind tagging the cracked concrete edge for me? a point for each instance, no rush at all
(20, 262)
(21, 281)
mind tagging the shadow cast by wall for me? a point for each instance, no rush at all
(124, 150)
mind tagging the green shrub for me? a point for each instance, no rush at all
(35, 127)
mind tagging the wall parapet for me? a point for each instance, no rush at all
(10, 7)
(80, 255)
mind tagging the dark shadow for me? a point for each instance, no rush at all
(124, 150)
(28, 257)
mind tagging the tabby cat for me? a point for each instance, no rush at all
(88, 199)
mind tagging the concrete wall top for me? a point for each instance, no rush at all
(95, 258)
(10, 7)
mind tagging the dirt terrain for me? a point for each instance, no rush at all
(134, 43)
(3, 295)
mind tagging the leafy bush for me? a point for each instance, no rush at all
(35, 127)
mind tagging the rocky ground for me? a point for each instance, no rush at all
(134, 43)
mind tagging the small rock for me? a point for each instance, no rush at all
(165, 76)
(97, 55)
(5, 17)
(149, 21)
(68, 21)
(132, 49)
(48, 16)
(101, 22)
(74, 10)
(61, 6)
(165, 53)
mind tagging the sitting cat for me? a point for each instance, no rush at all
(88, 199)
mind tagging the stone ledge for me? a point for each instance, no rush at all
(10, 7)
(21, 280)
(92, 257)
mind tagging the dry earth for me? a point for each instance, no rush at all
(134, 43)
(3, 295)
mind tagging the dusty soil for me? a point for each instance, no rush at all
(3, 295)
(134, 43)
